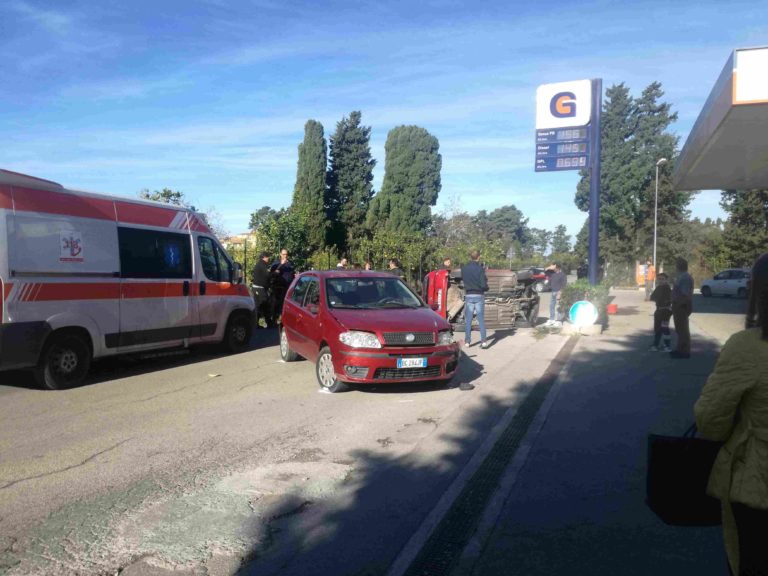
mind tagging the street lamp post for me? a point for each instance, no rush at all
(659, 162)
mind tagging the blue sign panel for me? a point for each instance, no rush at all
(562, 135)
(562, 149)
(553, 163)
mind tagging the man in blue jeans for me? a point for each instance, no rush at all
(557, 282)
(475, 286)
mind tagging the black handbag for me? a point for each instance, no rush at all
(677, 476)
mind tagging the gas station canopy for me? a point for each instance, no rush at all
(728, 145)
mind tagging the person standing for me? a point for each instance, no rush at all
(733, 408)
(283, 273)
(682, 306)
(342, 265)
(557, 282)
(367, 265)
(447, 263)
(663, 298)
(475, 287)
(394, 268)
(260, 282)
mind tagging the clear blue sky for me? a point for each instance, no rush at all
(210, 97)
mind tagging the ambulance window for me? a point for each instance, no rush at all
(215, 264)
(153, 254)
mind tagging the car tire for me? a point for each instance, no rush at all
(742, 293)
(286, 353)
(706, 291)
(64, 363)
(326, 376)
(238, 333)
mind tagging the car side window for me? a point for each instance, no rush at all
(300, 290)
(313, 294)
(722, 276)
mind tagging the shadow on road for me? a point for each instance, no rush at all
(578, 505)
(719, 305)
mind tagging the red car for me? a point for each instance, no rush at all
(363, 327)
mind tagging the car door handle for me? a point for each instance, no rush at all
(185, 288)
(202, 287)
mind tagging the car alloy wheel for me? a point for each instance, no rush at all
(285, 350)
(326, 375)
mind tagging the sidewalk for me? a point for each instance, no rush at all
(573, 502)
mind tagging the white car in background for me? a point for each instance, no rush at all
(731, 282)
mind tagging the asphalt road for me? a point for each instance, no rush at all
(200, 461)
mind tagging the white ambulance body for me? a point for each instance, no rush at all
(86, 275)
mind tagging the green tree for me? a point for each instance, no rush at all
(350, 182)
(634, 137)
(285, 230)
(561, 240)
(309, 191)
(746, 231)
(260, 216)
(411, 182)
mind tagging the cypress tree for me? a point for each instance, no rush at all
(309, 192)
(411, 182)
(350, 182)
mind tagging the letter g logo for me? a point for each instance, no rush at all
(563, 105)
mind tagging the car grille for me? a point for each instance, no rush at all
(406, 373)
(419, 338)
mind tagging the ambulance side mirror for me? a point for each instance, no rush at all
(238, 273)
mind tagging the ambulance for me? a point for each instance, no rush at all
(85, 276)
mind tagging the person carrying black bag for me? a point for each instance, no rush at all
(733, 408)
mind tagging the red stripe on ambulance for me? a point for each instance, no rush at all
(31, 200)
(6, 197)
(144, 214)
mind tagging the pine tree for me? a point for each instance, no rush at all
(411, 182)
(746, 230)
(634, 137)
(350, 182)
(309, 192)
(561, 241)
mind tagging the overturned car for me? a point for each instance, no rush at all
(511, 299)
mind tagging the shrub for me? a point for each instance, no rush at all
(583, 290)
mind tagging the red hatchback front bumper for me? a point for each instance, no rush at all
(367, 366)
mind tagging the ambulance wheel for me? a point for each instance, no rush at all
(64, 363)
(238, 333)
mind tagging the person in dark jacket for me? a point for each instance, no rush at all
(475, 286)
(682, 306)
(557, 282)
(662, 295)
(394, 268)
(260, 283)
(283, 273)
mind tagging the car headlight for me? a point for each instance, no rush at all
(445, 337)
(357, 339)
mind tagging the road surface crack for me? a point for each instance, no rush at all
(52, 472)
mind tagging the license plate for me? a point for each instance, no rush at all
(411, 362)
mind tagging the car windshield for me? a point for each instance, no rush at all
(369, 293)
